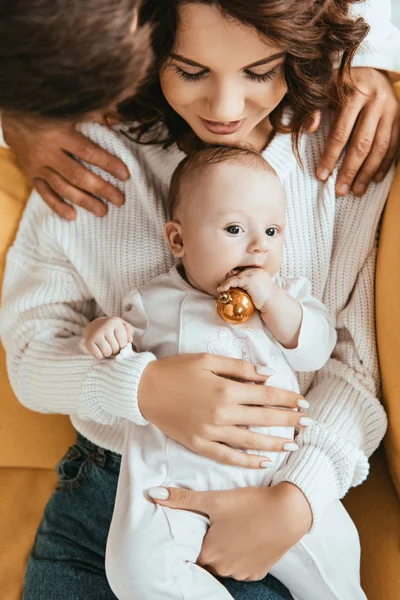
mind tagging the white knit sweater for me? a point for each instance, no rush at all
(60, 275)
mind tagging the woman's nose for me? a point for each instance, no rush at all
(226, 103)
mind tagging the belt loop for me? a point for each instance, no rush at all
(99, 457)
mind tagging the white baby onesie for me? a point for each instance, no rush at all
(152, 550)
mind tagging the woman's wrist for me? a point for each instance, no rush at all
(298, 504)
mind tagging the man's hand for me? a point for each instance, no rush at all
(369, 123)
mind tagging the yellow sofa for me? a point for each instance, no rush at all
(31, 444)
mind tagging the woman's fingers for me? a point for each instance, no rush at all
(234, 368)
(263, 395)
(245, 439)
(254, 416)
(230, 456)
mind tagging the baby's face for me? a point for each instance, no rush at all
(232, 217)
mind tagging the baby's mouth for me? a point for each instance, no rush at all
(238, 270)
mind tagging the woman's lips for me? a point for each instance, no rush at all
(222, 128)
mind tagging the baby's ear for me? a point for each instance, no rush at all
(173, 235)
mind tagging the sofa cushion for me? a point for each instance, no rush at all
(388, 323)
(27, 439)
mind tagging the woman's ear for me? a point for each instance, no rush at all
(173, 235)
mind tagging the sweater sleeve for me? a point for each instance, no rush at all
(381, 47)
(317, 336)
(46, 306)
(349, 420)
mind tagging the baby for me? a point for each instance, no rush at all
(227, 229)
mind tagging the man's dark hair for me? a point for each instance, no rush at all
(63, 59)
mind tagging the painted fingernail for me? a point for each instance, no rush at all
(265, 464)
(323, 174)
(359, 189)
(379, 176)
(306, 421)
(290, 447)
(264, 371)
(344, 189)
(158, 493)
(303, 403)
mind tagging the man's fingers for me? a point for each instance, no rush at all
(316, 121)
(82, 178)
(392, 153)
(54, 201)
(337, 139)
(74, 195)
(84, 149)
(380, 149)
(360, 146)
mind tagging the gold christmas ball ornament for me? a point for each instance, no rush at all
(235, 306)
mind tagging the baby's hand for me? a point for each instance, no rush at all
(257, 282)
(107, 336)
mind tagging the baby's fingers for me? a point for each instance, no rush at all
(129, 330)
(94, 348)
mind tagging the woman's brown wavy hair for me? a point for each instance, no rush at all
(314, 33)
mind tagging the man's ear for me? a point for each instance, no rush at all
(173, 235)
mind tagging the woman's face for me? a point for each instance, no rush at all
(223, 78)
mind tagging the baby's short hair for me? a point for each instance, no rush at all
(196, 162)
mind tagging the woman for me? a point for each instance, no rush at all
(226, 83)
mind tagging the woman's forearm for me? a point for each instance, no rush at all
(46, 308)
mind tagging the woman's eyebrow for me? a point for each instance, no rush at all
(263, 61)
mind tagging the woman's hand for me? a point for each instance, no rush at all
(250, 528)
(45, 151)
(194, 400)
(370, 123)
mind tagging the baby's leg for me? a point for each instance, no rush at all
(152, 550)
(325, 564)
(155, 560)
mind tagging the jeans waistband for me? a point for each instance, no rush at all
(99, 454)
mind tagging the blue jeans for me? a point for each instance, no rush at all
(67, 559)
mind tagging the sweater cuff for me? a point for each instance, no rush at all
(113, 384)
(324, 476)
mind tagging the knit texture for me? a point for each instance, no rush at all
(60, 275)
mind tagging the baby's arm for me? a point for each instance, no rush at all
(281, 312)
(106, 336)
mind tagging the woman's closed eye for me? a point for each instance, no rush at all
(257, 77)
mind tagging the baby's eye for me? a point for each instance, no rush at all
(234, 229)
(271, 231)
